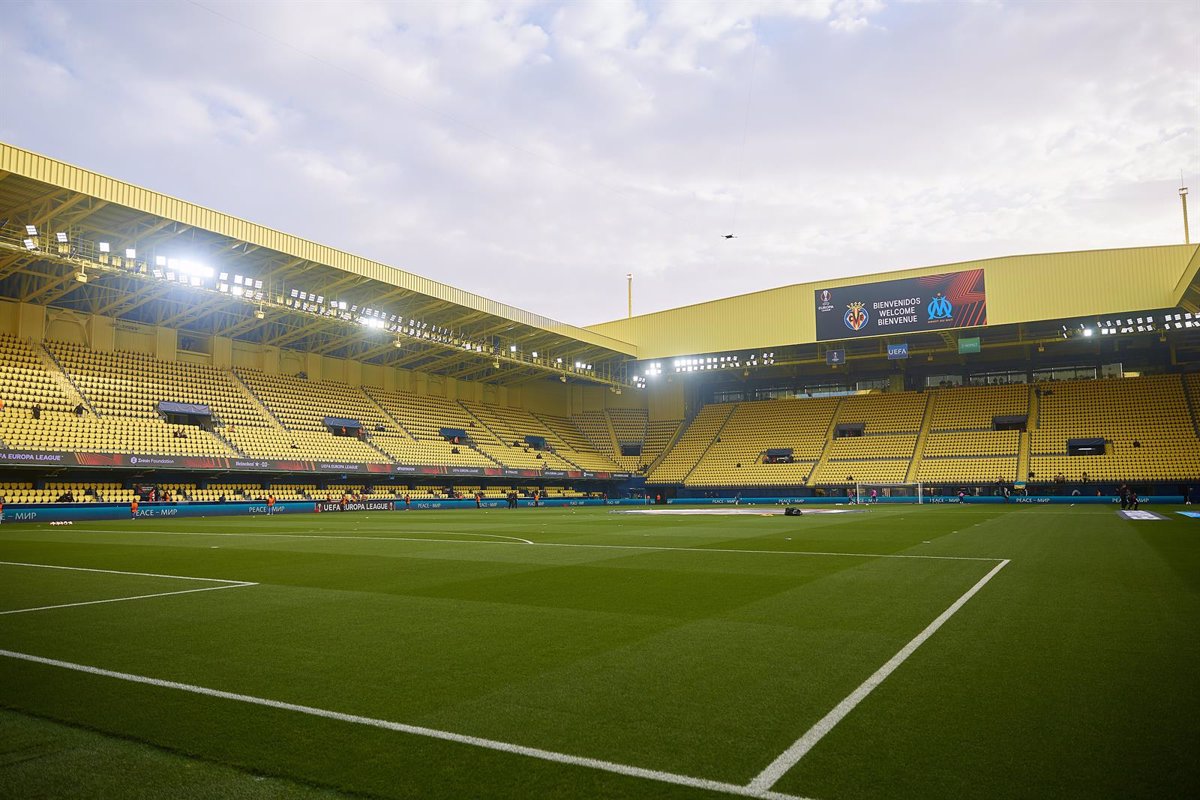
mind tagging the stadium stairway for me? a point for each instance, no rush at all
(255, 400)
(366, 390)
(825, 448)
(614, 443)
(922, 437)
(226, 440)
(1191, 403)
(1024, 443)
(715, 438)
(483, 424)
(676, 435)
(60, 376)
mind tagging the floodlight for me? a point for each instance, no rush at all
(259, 313)
(30, 244)
(61, 237)
(496, 365)
(258, 284)
(224, 276)
(224, 287)
(160, 261)
(130, 252)
(294, 292)
(512, 348)
(1088, 331)
(533, 354)
(558, 361)
(103, 247)
(158, 273)
(81, 276)
(31, 230)
(562, 378)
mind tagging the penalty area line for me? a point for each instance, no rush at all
(121, 572)
(642, 547)
(416, 730)
(499, 538)
(801, 747)
(123, 599)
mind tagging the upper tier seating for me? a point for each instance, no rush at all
(1151, 411)
(302, 406)
(688, 449)
(422, 417)
(753, 428)
(24, 382)
(891, 422)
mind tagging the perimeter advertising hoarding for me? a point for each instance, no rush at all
(67, 459)
(908, 305)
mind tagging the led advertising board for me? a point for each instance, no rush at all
(916, 305)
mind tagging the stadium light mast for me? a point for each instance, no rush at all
(629, 283)
(1187, 238)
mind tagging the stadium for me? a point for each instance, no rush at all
(335, 528)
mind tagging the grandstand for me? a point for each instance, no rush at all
(305, 362)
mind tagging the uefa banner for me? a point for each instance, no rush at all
(34, 458)
(908, 305)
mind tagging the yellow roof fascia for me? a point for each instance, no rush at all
(1025, 288)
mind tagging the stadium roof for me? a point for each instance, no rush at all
(1028, 299)
(447, 330)
(404, 320)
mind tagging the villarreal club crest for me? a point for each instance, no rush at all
(856, 316)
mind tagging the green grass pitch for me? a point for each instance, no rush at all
(505, 654)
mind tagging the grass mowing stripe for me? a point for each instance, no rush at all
(790, 757)
(565, 544)
(416, 730)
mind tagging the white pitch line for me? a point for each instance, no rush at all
(515, 539)
(800, 748)
(122, 599)
(118, 572)
(663, 548)
(416, 730)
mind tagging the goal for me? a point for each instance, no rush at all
(889, 492)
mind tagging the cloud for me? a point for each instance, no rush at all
(536, 152)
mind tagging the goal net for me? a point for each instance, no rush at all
(888, 492)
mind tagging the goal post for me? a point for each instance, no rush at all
(889, 493)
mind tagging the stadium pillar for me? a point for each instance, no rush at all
(222, 352)
(166, 343)
(102, 335)
(31, 322)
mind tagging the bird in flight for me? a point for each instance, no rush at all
(730, 236)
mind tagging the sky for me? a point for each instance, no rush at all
(535, 152)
